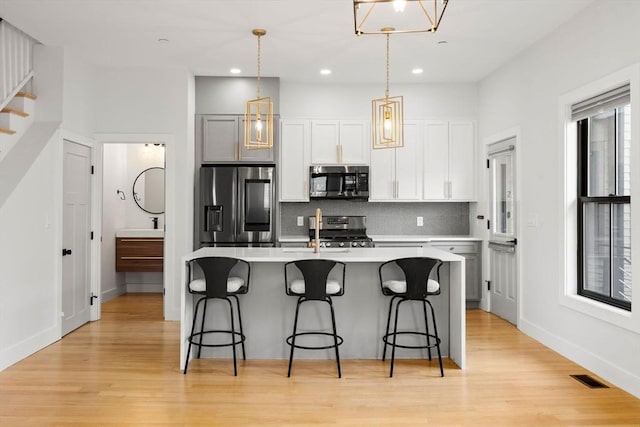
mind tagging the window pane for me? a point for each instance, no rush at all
(602, 167)
(596, 251)
(621, 262)
(624, 151)
(503, 189)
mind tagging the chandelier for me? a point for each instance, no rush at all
(405, 16)
(258, 116)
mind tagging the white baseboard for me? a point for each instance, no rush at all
(28, 346)
(113, 293)
(601, 367)
(145, 287)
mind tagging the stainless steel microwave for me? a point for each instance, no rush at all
(339, 182)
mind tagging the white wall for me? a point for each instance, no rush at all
(114, 217)
(525, 94)
(29, 297)
(152, 101)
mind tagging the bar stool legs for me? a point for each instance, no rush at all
(234, 334)
(337, 340)
(428, 335)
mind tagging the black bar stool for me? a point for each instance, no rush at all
(218, 283)
(416, 286)
(314, 286)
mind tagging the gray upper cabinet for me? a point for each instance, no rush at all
(221, 139)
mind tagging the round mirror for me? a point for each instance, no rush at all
(148, 190)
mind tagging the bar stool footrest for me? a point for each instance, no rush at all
(290, 338)
(436, 340)
(192, 338)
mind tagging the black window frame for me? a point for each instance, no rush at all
(584, 199)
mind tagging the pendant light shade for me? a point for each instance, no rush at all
(388, 115)
(258, 115)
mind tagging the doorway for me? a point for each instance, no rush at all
(503, 256)
(133, 200)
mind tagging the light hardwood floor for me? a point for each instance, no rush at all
(123, 370)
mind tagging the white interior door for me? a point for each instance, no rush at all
(503, 264)
(76, 284)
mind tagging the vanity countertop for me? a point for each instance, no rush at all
(139, 232)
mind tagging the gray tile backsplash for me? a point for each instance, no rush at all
(449, 218)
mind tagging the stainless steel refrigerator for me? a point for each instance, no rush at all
(236, 206)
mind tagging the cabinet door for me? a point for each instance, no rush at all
(381, 175)
(262, 155)
(325, 135)
(294, 164)
(354, 142)
(408, 164)
(219, 138)
(461, 161)
(435, 161)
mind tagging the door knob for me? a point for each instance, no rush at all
(66, 252)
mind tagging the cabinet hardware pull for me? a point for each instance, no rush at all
(124, 239)
(142, 257)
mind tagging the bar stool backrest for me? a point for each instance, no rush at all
(315, 273)
(216, 273)
(416, 271)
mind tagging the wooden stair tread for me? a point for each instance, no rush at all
(7, 131)
(26, 95)
(14, 111)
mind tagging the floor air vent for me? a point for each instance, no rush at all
(589, 381)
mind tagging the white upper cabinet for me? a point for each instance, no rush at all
(396, 173)
(295, 156)
(339, 142)
(222, 140)
(449, 161)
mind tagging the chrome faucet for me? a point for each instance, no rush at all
(316, 243)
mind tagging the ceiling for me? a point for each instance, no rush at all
(209, 37)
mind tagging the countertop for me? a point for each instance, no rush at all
(349, 255)
(394, 238)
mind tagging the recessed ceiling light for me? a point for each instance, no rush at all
(163, 40)
(417, 71)
(325, 71)
(443, 42)
(235, 71)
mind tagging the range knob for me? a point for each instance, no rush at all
(328, 244)
(341, 244)
(354, 244)
(363, 244)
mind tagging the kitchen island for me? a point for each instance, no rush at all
(361, 313)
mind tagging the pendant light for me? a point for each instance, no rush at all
(387, 114)
(406, 16)
(258, 117)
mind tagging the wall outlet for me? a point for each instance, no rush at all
(420, 221)
(300, 221)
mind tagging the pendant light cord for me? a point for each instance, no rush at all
(386, 93)
(258, 97)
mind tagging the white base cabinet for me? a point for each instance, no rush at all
(473, 272)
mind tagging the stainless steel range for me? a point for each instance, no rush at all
(341, 231)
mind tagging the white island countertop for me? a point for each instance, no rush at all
(378, 255)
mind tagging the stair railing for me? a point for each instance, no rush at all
(16, 61)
